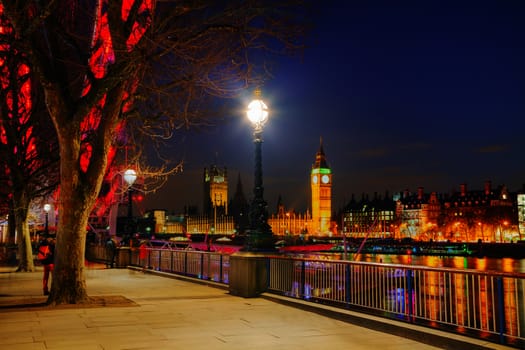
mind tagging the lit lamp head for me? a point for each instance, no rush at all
(130, 176)
(47, 207)
(257, 111)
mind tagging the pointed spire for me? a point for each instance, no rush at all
(321, 149)
(320, 158)
(280, 205)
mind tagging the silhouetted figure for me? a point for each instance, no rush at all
(111, 252)
(46, 255)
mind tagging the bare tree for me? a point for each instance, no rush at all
(143, 65)
(28, 145)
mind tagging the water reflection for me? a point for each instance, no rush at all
(481, 264)
(458, 262)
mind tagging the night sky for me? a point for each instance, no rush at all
(404, 95)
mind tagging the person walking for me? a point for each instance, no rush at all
(111, 251)
(143, 255)
(46, 256)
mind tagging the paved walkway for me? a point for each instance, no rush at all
(147, 311)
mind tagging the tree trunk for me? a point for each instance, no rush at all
(11, 225)
(78, 192)
(25, 250)
(68, 285)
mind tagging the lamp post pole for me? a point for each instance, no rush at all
(130, 176)
(260, 236)
(47, 208)
(130, 206)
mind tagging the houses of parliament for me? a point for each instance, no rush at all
(492, 214)
(224, 216)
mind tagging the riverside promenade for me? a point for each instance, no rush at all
(134, 310)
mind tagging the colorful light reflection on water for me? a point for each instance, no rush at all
(457, 262)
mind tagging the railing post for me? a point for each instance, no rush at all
(202, 266)
(171, 261)
(186, 263)
(347, 284)
(410, 285)
(160, 260)
(501, 309)
(303, 278)
(220, 269)
(268, 273)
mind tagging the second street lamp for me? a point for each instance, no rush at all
(47, 208)
(130, 176)
(260, 237)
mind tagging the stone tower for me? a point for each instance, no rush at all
(215, 191)
(321, 185)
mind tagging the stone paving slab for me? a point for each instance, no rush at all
(154, 312)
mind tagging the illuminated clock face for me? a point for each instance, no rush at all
(314, 179)
(325, 179)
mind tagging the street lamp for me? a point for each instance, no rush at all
(47, 208)
(130, 176)
(260, 235)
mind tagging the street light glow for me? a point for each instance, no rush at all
(130, 176)
(257, 113)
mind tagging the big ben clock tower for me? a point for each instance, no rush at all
(321, 184)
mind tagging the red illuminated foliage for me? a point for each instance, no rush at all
(102, 57)
(24, 138)
(95, 59)
(28, 145)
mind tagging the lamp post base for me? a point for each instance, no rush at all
(259, 241)
(248, 274)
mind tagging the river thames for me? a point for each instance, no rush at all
(458, 262)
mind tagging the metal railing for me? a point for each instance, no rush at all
(203, 265)
(476, 303)
(487, 304)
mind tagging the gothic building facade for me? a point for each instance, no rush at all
(215, 201)
(488, 215)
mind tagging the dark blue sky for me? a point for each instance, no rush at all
(404, 94)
